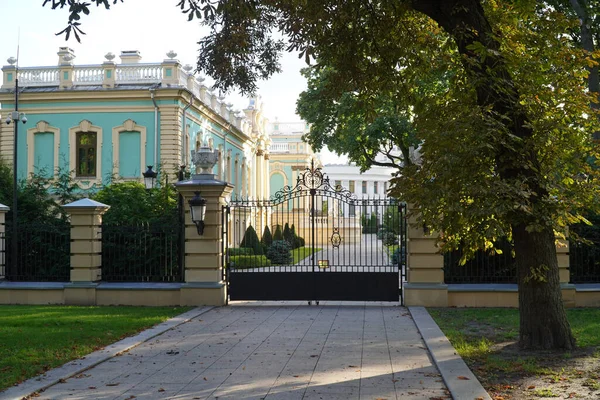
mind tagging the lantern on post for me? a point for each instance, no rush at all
(198, 211)
(149, 178)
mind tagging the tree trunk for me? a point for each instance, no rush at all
(544, 323)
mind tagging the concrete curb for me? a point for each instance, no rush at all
(461, 382)
(41, 382)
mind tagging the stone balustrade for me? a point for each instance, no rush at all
(169, 73)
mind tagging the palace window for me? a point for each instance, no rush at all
(86, 152)
(351, 184)
(364, 187)
(375, 187)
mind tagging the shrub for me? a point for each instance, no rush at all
(241, 251)
(250, 240)
(381, 232)
(249, 261)
(399, 257)
(280, 252)
(389, 239)
(369, 224)
(278, 235)
(131, 203)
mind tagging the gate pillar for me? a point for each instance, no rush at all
(203, 269)
(425, 281)
(86, 250)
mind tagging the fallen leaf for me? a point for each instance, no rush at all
(113, 384)
(205, 379)
(463, 378)
(531, 387)
(161, 390)
(91, 387)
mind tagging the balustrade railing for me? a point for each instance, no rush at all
(280, 148)
(86, 75)
(139, 73)
(125, 74)
(39, 76)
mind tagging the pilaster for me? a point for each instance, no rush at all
(170, 72)
(204, 283)
(9, 76)
(170, 138)
(567, 289)
(109, 71)
(86, 250)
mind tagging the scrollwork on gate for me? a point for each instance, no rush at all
(312, 182)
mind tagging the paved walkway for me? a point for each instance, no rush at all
(271, 351)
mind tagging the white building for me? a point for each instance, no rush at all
(371, 184)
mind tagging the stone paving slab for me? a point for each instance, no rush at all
(271, 351)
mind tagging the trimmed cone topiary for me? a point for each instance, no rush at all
(278, 235)
(251, 240)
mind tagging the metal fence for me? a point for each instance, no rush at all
(43, 252)
(584, 255)
(482, 268)
(141, 253)
(2, 255)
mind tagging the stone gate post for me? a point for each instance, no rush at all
(425, 286)
(203, 266)
(86, 250)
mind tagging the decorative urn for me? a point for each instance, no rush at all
(205, 159)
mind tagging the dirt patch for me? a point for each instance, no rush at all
(510, 373)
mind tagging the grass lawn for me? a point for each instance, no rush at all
(34, 339)
(487, 340)
(302, 252)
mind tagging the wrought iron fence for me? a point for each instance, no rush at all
(141, 253)
(2, 255)
(584, 255)
(482, 268)
(43, 252)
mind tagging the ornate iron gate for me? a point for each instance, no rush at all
(315, 242)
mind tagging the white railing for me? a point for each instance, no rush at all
(279, 148)
(183, 78)
(40, 76)
(288, 127)
(88, 75)
(94, 75)
(139, 73)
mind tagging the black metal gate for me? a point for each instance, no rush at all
(315, 242)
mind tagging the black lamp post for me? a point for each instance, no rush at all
(149, 178)
(15, 117)
(198, 211)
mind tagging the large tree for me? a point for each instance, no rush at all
(505, 147)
